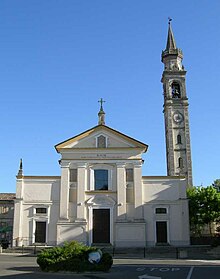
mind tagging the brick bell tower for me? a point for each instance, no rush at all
(178, 151)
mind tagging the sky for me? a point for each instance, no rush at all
(58, 58)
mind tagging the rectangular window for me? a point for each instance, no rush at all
(41, 210)
(73, 175)
(129, 175)
(101, 179)
(161, 210)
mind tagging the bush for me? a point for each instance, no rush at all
(72, 256)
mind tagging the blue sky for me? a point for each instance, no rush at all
(58, 58)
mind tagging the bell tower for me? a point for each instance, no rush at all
(178, 151)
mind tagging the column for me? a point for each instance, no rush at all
(121, 191)
(81, 187)
(64, 191)
(138, 191)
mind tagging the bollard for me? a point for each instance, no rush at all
(0, 249)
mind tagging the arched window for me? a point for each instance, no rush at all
(176, 94)
(179, 140)
(180, 162)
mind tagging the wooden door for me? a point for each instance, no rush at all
(40, 232)
(101, 225)
(161, 231)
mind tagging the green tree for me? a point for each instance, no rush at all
(204, 208)
(216, 184)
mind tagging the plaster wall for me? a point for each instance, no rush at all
(163, 189)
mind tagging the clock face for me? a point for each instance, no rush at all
(177, 117)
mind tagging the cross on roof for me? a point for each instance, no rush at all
(101, 101)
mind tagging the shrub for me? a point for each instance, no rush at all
(72, 256)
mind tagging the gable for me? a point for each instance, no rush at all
(108, 137)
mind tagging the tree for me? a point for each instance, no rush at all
(216, 184)
(204, 208)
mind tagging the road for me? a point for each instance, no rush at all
(22, 267)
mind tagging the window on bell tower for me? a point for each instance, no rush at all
(179, 140)
(180, 163)
(176, 94)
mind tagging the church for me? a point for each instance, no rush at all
(101, 196)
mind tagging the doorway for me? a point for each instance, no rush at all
(101, 226)
(161, 232)
(40, 232)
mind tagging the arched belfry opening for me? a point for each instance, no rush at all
(176, 93)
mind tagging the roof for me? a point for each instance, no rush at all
(7, 196)
(97, 128)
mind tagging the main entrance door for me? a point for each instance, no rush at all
(101, 225)
(40, 232)
(161, 230)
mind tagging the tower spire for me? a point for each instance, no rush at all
(20, 171)
(171, 44)
(101, 113)
(172, 56)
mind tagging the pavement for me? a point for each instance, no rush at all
(24, 266)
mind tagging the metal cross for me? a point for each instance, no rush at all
(101, 101)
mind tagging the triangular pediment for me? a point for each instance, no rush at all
(88, 139)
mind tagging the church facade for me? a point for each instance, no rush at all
(101, 196)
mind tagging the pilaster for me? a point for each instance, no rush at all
(121, 191)
(138, 190)
(18, 216)
(18, 223)
(81, 187)
(64, 191)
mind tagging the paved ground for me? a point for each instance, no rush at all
(25, 267)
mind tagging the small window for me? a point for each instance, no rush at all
(179, 140)
(175, 90)
(73, 175)
(101, 142)
(101, 179)
(161, 210)
(180, 163)
(129, 175)
(41, 210)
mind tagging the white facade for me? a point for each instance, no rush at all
(130, 210)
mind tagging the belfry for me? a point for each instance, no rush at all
(176, 115)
